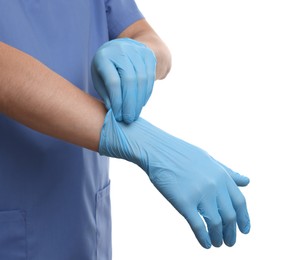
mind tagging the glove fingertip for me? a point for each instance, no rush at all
(239, 179)
(204, 239)
(242, 180)
(128, 119)
(246, 228)
(243, 220)
(107, 105)
(118, 117)
(247, 180)
(230, 236)
(206, 243)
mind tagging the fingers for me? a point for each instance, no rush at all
(228, 215)
(221, 214)
(209, 210)
(198, 227)
(237, 198)
(239, 179)
(123, 73)
(134, 84)
(99, 85)
(107, 83)
(129, 88)
(240, 206)
(137, 75)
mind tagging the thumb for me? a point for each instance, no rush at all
(239, 179)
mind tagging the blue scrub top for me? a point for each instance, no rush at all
(54, 196)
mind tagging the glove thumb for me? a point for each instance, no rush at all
(239, 179)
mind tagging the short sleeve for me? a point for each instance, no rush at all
(120, 15)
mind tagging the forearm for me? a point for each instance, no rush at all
(37, 97)
(142, 32)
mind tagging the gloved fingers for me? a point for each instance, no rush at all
(150, 63)
(100, 88)
(240, 206)
(229, 218)
(239, 179)
(129, 86)
(137, 59)
(198, 227)
(111, 86)
(209, 210)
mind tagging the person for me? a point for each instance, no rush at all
(74, 77)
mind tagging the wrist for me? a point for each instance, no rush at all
(124, 141)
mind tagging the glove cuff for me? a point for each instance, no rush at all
(120, 140)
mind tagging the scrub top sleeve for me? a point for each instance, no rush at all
(120, 15)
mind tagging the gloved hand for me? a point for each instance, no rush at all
(123, 73)
(188, 177)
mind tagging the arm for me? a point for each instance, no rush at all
(141, 31)
(39, 98)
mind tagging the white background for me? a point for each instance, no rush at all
(224, 94)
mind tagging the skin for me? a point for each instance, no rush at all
(39, 98)
(149, 37)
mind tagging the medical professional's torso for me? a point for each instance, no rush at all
(54, 196)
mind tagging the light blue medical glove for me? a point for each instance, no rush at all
(123, 73)
(188, 177)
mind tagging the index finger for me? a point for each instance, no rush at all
(240, 206)
(198, 227)
(112, 83)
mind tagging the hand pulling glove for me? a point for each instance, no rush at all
(188, 177)
(123, 73)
